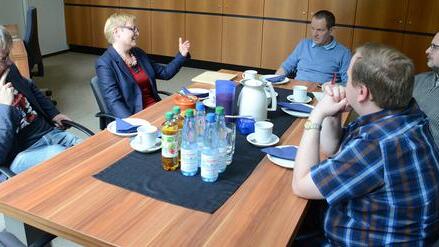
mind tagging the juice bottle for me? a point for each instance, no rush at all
(179, 120)
(169, 131)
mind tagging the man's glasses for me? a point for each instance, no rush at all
(132, 29)
(434, 46)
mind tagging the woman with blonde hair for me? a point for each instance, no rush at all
(127, 77)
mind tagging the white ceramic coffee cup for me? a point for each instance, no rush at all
(263, 131)
(146, 136)
(300, 93)
(249, 74)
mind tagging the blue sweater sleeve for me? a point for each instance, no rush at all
(290, 64)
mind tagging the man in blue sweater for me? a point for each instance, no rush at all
(320, 58)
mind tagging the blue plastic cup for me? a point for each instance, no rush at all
(245, 126)
(225, 95)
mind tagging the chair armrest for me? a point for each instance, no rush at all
(164, 93)
(78, 126)
(105, 115)
(7, 172)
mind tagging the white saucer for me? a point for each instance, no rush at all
(133, 121)
(296, 113)
(263, 78)
(281, 162)
(209, 102)
(135, 145)
(252, 140)
(199, 92)
(291, 98)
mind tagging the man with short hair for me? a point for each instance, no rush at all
(426, 91)
(320, 58)
(27, 132)
(381, 180)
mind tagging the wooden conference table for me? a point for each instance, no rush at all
(60, 196)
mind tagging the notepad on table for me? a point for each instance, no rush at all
(211, 76)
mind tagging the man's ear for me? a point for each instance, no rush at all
(363, 94)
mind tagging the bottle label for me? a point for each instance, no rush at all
(208, 166)
(189, 160)
(169, 146)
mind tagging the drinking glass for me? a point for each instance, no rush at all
(231, 137)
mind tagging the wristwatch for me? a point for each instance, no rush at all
(312, 126)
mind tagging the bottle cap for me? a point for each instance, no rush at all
(169, 115)
(176, 110)
(219, 110)
(200, 106)
(189, 113)
(210, 118)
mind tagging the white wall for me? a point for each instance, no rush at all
(51, 24)
(11, 12)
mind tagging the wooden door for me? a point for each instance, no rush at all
(168, 4)
(423, 16)
(78, 25)
(204, 32)
(414, 46)
(389, 14)
(279, 40)
(343, 35)
(166, 28)
(143, 22)
(98, 18)
(210, 6)
(135, 3)
(115, 3)
(343, 10)
(286, 9)
(242, 41)
(244, 7)
(362, 36)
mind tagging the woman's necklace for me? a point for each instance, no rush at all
(130, 60)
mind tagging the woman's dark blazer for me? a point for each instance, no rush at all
(121, 93)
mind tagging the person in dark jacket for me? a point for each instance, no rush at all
(31, 130)
(127, 77)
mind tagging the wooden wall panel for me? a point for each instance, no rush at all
(291, 9)
(244, 7)
(168, 4)
(211, 6)
(279, 40)
(135, 3)
(423, 16)
(115, 3)
(79, 1)
(78, 25)
(362, 36)
(343, 10)
(242, 41)
(381, 13)
(204, 33)
(415, 46)
(98, 18)
(166, 28)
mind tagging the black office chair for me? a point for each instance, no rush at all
(32, 44)
(104, 115)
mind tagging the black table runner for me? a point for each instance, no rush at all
(143, 173)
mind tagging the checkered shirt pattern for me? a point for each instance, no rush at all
(382, 186)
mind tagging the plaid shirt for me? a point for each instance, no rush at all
(382, 186)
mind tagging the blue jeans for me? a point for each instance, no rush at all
(45, 148)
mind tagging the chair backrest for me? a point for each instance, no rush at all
(31, 41)
(103, 108)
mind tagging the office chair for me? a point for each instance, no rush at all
(32, 44)
(104, 115)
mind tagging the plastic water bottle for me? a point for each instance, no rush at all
(209, 169)
(200, 126)
(221, 131)
(178, 119)
(189, 147)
